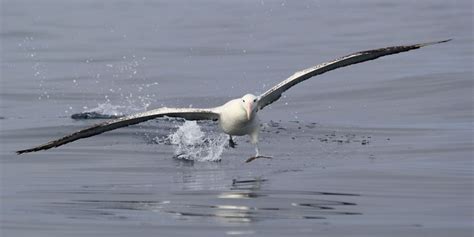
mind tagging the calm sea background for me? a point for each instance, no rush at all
(384, 148)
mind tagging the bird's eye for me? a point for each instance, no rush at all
(243, 101)
(255, 100)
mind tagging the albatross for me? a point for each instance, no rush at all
(237, 117)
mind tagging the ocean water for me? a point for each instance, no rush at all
(383, 148)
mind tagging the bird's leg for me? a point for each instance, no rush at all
(232, 144)
(257, 155)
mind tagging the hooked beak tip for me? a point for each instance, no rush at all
(249, 112)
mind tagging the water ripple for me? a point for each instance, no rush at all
(231, 206)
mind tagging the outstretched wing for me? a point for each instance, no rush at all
(186, 113)
(275, 92)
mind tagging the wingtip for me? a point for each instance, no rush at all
(435, 42)
(20, 152)
(442, 41)
(24, 151)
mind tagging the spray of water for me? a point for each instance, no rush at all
(137, 96)
(191, 143)
(114, 110)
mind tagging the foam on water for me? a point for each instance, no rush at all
(191, 143)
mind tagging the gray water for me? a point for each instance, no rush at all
(383, 148)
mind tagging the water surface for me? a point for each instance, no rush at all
(379, 149)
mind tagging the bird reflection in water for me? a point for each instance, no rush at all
(247, 202)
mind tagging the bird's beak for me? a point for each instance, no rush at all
(249, 110)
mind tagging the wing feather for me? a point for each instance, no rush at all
(275, 92)
(186, 113)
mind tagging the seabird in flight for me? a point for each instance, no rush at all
(237, 117)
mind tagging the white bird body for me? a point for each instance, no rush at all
(237, 117)
(234, 121)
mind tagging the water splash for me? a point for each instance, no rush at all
(114, 110)
(30, 46)
(194, 144)
(117, 100)
(107, 111)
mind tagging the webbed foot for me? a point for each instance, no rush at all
(232, 144)
(257, 157)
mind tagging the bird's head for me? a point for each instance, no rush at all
(250, 105)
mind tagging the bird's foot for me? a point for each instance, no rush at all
(257, 157)
(232, 144)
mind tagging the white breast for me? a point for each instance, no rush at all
(233, 119)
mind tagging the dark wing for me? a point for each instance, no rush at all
(186, 113)
(275, 92)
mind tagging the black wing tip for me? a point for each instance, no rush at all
(444, 41)
(26, 151)
(22, 151)
(34, 149)
(434, 42)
